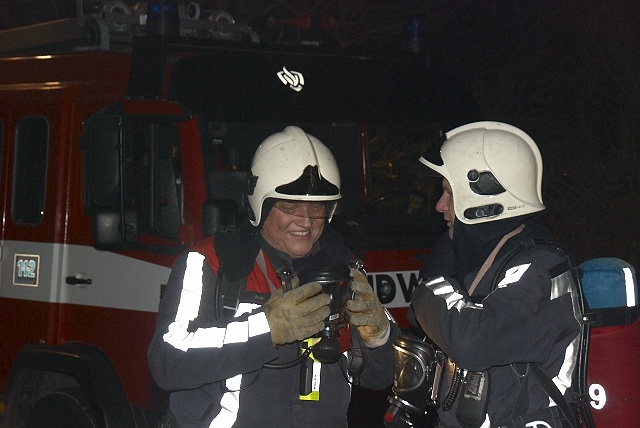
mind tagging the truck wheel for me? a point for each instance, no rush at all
(59, 410)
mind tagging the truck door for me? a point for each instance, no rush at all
(33, 206)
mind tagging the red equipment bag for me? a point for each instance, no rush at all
(613, 373)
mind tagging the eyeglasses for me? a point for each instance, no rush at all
(306, 209)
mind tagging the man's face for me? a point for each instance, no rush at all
(445, 206)
(293, 227)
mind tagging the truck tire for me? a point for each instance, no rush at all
(59, 409)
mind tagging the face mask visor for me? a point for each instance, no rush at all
(417, 372)
(412, 364)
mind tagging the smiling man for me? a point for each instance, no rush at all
(232, 325)
(293, 227)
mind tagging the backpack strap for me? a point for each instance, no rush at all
(552, 390)
(487, 263)
(521, 405)
(227, 297)
(228, 292)
(262, 264)
(356, 365)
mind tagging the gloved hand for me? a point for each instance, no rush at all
(296, 314)
(366, 312)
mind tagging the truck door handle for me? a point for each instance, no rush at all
(78, 280)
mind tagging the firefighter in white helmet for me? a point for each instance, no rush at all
(497, 322)
(257, 326)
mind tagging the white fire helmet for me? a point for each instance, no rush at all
(293, 165)
(495, 171)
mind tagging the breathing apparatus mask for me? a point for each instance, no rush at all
(418, 368)
(324, 347)
(336, 283)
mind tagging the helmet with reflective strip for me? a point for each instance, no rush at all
(292, 165)
(495, 171)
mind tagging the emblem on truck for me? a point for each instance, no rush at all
(26, 268)
(293, 79)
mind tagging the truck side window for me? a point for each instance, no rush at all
(30, 170)
(168, 183)
(156, 178)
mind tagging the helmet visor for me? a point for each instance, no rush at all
(309, 183)
(308, 209)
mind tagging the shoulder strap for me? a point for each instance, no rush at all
(262, 264)
(522, 401)
(228, 291)
(487, 263)
(228, 295)
(357, 357)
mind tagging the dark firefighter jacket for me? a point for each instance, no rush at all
(529, 318)
(192, 353)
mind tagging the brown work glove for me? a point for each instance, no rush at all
(296, 314)
(366, 312)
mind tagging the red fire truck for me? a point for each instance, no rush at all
(118, 154)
